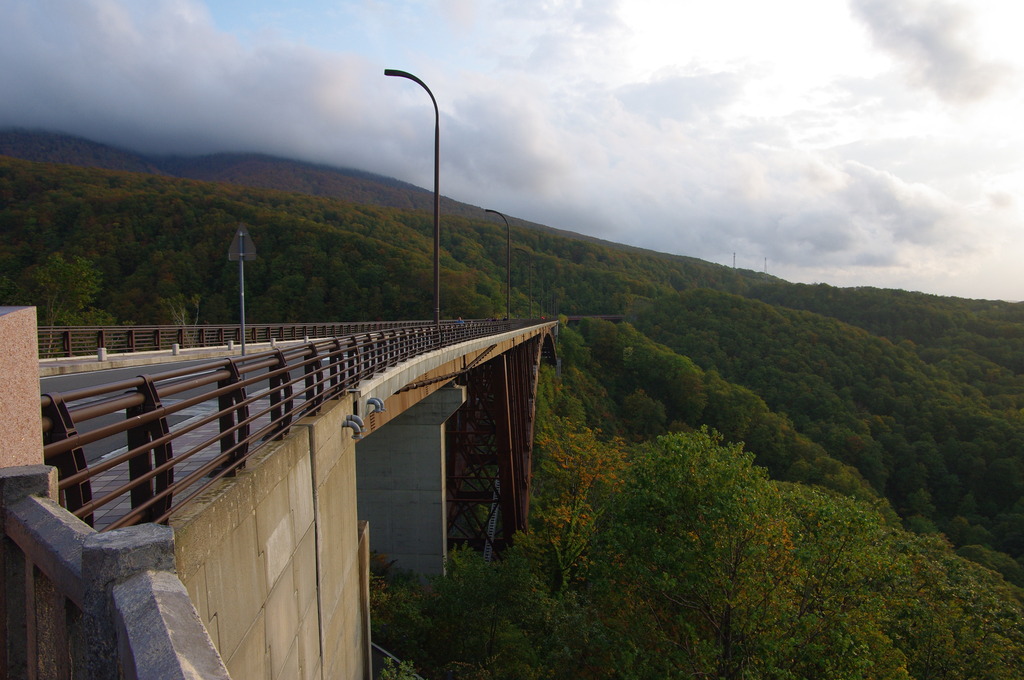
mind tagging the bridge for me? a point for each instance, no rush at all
(273, 475)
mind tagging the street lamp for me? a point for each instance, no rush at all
(437, 195)
(508, 264)
(529, 313)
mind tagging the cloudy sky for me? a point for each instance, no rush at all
(852, 142)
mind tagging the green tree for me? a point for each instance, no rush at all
(64, 289)
(643, 416)
(578, 474)
(715, 571)
(183, 309)
(950, 617)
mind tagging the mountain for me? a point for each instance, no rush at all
(252, 170)
(245, 169)
(51, 147)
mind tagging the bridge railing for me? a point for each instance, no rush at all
(137, 450)
(75, 341)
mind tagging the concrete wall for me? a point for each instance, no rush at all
(19, 408)
(401, 476)
(276, 561)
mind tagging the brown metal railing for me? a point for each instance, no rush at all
(138, 450)
(75, 341)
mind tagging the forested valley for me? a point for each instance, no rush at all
(746, 478)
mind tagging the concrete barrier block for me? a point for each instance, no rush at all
(338, 546)
(282, 623)
(160, 633)
(304, 571)
(198, 593)
(291, 669)
(274, 532)
(237, 586)
(345, 658)
(309, 647)
(203, 526)
(328, 439)
(300, 496)
(250, 658)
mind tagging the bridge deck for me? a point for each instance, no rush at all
(182, 430)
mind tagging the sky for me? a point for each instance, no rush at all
(850, 142)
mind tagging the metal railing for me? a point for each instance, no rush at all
(138, 450)
(76, 341)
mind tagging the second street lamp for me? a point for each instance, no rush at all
(529, 313)
(508, 264)
(437, 194)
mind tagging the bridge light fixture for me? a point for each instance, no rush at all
(508, 263)
(437, 194)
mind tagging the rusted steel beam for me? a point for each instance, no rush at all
(490, 449)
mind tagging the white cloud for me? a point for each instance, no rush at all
(701, 130)
(934, 43)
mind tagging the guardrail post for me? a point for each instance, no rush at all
(62, 426)
(141, 436)
(234, 425)
(280, 395)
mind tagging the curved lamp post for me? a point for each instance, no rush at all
(508, 264)
(437, 195)
(529, 313)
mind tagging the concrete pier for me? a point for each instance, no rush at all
(401, 476)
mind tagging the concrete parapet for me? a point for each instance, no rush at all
(154, 617)
(22, 427)
(129, 616)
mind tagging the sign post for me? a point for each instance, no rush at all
(242, 249)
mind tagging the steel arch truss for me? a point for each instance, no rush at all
(489, 450)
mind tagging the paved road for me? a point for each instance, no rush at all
(97, 450)
(74, 381)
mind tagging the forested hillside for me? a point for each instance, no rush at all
(247, 170)
(679, 557)
(152, 240)
(831, 439)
